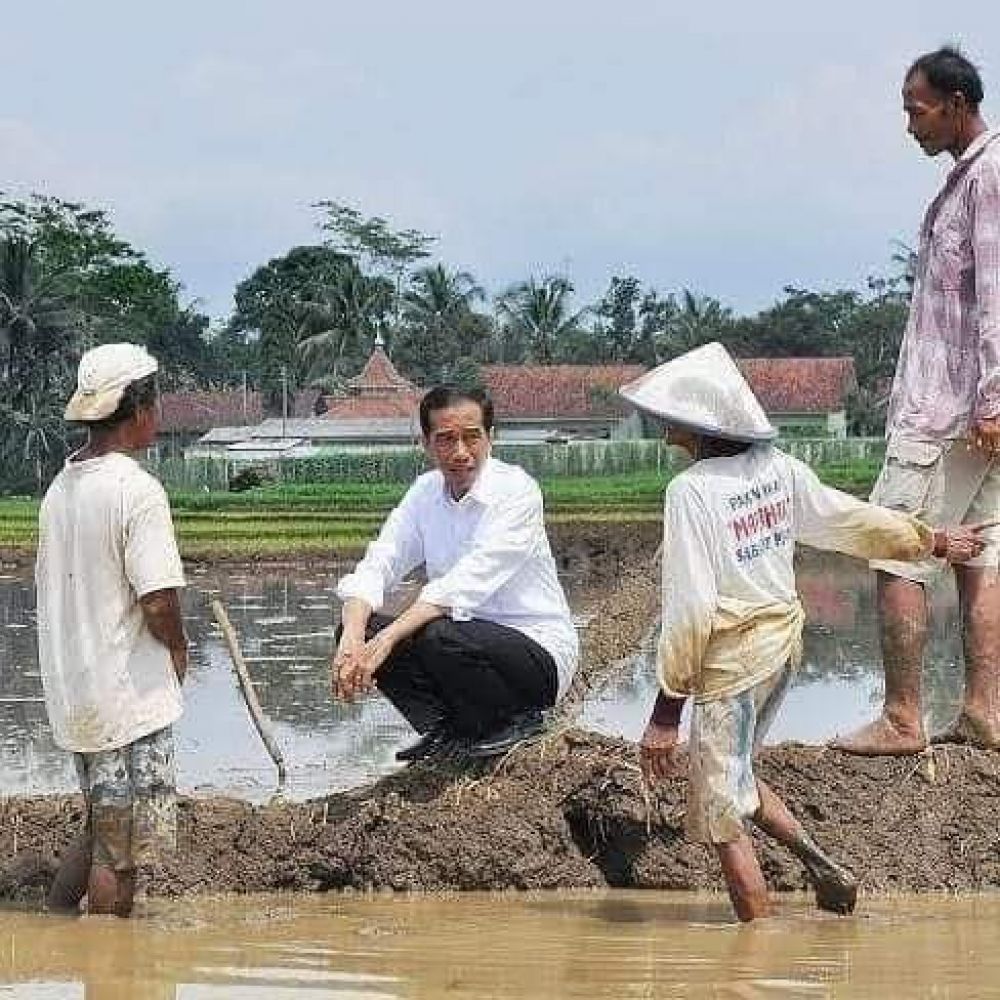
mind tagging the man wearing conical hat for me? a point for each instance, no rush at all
(731, 632)
(111, 644)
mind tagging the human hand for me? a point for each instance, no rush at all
(986, 435)
(346, 660)
(658, 755)
(357, 672)
(962, 543)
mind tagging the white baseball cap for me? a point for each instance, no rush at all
(103, 376)
(702, 391)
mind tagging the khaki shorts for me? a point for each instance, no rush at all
(944, 483)
(725, 733)
(131, 798)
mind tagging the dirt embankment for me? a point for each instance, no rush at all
(569, 812)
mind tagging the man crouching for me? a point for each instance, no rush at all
(489, 642)
(111, 642)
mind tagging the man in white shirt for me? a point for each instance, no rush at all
(489, 642)
(111, 642)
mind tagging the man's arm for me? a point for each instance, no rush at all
(826, 518)
(161, 610)
(985, 219)
(657, 748)
(396, 551)
(360, 664)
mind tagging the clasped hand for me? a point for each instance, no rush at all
(355, 664)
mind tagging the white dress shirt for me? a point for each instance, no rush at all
(487, 556)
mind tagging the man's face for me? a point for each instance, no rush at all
(458, 444)
(932, 118)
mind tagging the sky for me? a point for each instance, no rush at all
(729, 148)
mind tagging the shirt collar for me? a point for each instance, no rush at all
(976, 146)
(483, 491)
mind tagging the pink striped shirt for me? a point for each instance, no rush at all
(948, 374)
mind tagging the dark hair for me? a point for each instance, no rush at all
(715, 447)
(138, 395)
(443, 396)
(948, 72)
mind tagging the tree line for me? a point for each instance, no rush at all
(310, 318)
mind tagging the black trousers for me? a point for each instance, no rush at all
(472, 676)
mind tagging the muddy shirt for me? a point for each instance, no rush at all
(731, 615)
(105, 540)
(487, 556)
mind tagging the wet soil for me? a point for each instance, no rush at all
(569, 811)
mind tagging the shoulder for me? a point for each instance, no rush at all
(139, 487)
(427, 484)
(507, 482)
(687, 487)
(984, 175)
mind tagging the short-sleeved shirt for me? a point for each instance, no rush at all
(105, 540)
(487, 556)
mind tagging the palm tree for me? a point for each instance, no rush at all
(39, 336)
(37, 327)
(440, 326)
(539, 313)
(695, 320)
(337, 323)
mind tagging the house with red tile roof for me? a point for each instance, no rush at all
(803, 395)
(186, 416)
(533, 404)
(560, 402)
(378, 391)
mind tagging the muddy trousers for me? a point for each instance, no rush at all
(472, 676)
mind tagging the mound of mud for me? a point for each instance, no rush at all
(570, 811)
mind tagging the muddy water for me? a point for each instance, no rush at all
(611, 945)
(286, 619)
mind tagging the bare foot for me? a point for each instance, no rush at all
(970, 730)
(881, 738)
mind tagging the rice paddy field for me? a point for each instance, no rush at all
(337, 518)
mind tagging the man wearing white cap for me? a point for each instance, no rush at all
(732, 623)
(111, 642)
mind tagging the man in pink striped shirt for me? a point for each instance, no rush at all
(943, 430)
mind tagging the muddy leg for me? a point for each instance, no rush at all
(836, 888)
(70, 884)
(110, 891)
(902, 606)
(979, 721)
(744, 879)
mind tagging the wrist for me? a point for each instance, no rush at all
(939, 545)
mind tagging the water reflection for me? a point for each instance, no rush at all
(286, 621)
(840, 683)
(601, 946)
